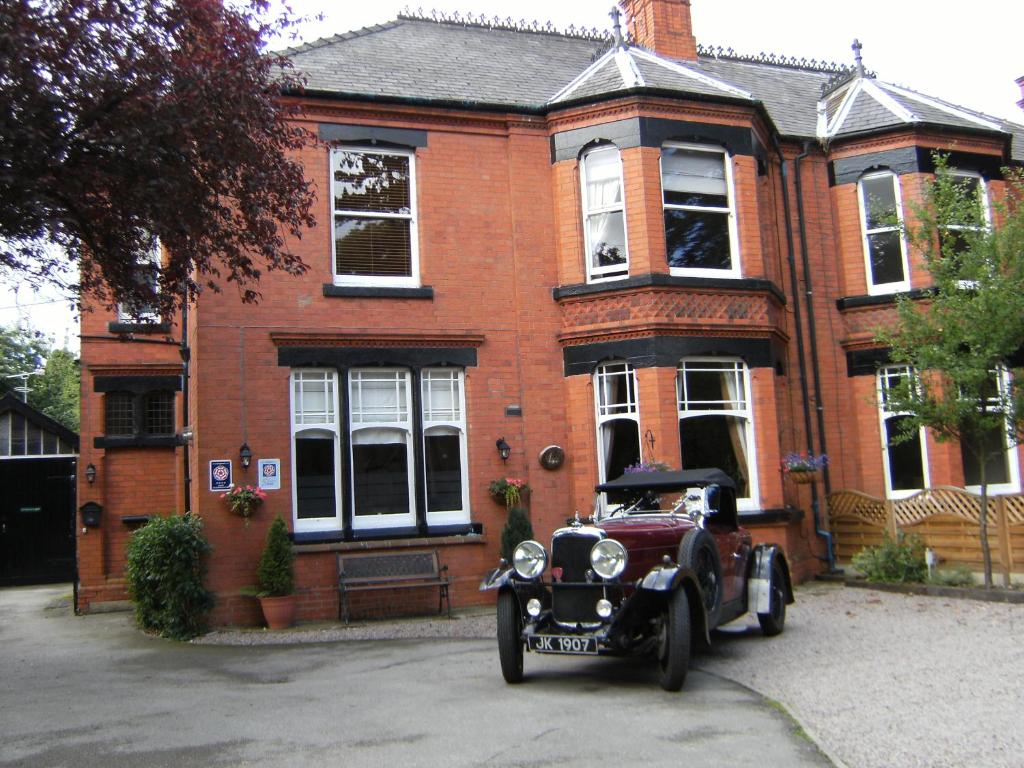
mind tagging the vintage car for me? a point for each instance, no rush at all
(653, 576)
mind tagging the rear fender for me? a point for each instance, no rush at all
(759, 580)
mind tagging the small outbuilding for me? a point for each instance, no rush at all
(38, 460)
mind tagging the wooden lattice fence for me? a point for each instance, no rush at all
(946, 519)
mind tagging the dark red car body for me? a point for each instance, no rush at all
(688, 568)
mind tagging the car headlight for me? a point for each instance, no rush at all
(529, 559)
(608, 558)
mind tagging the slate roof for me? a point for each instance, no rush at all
(497, 66)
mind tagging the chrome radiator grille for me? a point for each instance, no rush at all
(573, 600)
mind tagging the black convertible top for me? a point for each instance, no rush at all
(674, 480)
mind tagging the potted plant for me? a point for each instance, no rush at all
(275, 577)
(243, 500)
(803, 467)
(508, 491)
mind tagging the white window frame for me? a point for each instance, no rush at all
(735, 271)
(606, 413)
(413, 279)
(616, 271)
(883, 288)
(1003, 381)
(328, 429)
(403, 378)
(743, 503)
(457, 422)
(884, 414)
(985, 211)
(153, 257)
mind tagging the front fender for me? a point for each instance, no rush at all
(497, 579)
(664, 580)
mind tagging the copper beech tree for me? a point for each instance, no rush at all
(127, 123)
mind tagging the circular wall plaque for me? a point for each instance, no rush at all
(552, 457)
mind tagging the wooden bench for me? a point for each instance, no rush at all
(358, 572)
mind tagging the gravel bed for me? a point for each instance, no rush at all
(890, 680)
(472, 625)
(878, 680)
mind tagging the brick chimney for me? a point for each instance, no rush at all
(662, 26)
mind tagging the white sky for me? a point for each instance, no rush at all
(966, 52)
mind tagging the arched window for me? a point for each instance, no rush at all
(604, 219)
(618, 419)
(881, 213)
(716, 421)
(906, 461)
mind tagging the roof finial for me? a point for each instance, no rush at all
(857, 59)
(615, 13)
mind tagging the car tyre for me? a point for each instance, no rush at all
(699, 553)
(773, 622)
(510, 637)
(674, 642)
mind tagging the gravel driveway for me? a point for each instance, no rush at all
(891, 680)
(877, 679)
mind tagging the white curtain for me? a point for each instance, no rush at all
(732, 390)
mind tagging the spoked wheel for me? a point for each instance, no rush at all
(773, 622)
(674, 642)
(699, 552)
(510, 637)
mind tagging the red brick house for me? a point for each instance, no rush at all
(643, 250)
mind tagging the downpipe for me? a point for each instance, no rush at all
(825, 535)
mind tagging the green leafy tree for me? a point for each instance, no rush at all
(55, 390)
(21, 351)
(961, 339)
(57, 393)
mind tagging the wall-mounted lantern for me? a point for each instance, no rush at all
(90, 474)
(504, 449)
(245, 455)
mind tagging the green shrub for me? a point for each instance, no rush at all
(959, 575)
(165, 576)
(275, 576)
(896, 560)
(516, 530)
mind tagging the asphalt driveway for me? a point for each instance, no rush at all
(93, 691)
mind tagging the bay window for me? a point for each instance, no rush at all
(603, 214)
(700, 223)
(716, 422)
(618, 421)
(884, 251)
(1001, 471)
(905, 461)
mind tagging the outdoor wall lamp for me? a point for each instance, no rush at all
(90, 474)
(245, 455)
(504, 449)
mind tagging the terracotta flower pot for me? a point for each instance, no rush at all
(279, 612)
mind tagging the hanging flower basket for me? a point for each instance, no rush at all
(803, 477)
(243, 500)
(508, 491)
(803, 468)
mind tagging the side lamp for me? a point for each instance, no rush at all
(504, 449)
(245, 455)
(90, 474)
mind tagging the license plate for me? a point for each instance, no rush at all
(562, 644)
